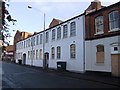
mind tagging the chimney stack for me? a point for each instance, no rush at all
(96, 4)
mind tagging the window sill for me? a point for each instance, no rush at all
(99, 33)
(73, 36)
(100, 64)
(72, 58)
(113, 30)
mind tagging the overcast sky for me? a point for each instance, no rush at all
(31, 20)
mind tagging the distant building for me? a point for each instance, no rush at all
(8, 53)
(102, 33)
(19, 36)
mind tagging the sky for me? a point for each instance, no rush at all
(31, 20)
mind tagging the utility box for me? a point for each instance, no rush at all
(61, 65)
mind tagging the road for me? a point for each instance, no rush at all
(17, 76)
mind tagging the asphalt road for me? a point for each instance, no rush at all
(17, 76)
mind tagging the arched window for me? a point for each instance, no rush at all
(40, 53)
(99, 24)
(72, 29)
(58, 52)
(58, 33)
(72, 51)
(100, 54)
(36, 54)
(53, 52)
(100, 48)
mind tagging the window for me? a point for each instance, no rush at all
(33, 41)
(36, 54)
(37, 40)
(100, 54)
(47, 37)
(53, 35)
(41, 38)
(72, 29)
(73, 51)
(115, 48)
(40, 54)
(33, 54)
(28, 55)
(29, 43)
(53, 52)
(99, 24)
(58, 33)
(65, 31)
(24, 44)
(114, 20)
(58, 52)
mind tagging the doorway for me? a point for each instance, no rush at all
(24, 58)
(46, 59)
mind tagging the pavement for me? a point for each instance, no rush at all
(101, 77)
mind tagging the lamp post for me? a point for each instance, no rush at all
(44, 61)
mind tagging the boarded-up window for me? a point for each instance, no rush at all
(100, 54)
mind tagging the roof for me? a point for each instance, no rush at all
(104, 8)
(55, 22)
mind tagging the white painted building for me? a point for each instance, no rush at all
(63, 42)
(92, 64)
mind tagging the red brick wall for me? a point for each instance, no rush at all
(90, 22)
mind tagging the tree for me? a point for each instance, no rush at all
(4, 27)
(6, 16)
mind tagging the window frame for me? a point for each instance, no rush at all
(41, 38)
(58, 52)
(53, 53)
(47, 37)
(65, 31)
(73, 51)
(36, 54)
(73, 29)
(58, 33)
(100, 51)
(53, 34)
(37, 40)
(98, 24)
(40, 54)
(114, 20)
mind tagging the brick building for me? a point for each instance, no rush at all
(8, 53)
(18, 37)
(102, 33)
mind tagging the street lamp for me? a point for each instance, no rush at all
(44, 61)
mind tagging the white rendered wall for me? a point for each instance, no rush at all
(90, 53)
(72, 64)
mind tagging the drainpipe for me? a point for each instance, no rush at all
(84, 43)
